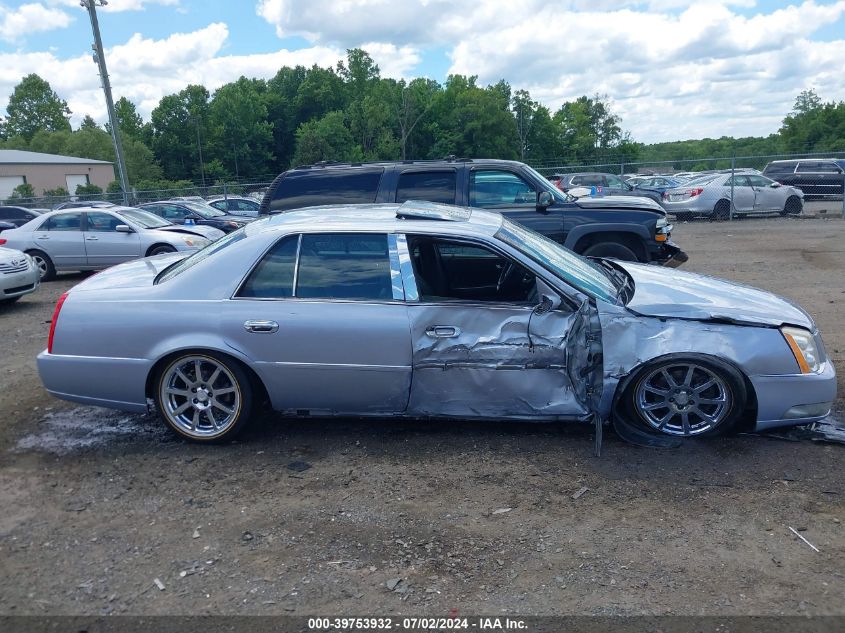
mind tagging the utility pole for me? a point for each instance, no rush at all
(100, 59)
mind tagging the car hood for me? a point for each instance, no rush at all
(208, 232)
(134, 274)
(9, 255)
(620, 202)
(662, 292)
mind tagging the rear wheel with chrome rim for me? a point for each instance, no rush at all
(204, 397)
(687, 396)
(46, 269)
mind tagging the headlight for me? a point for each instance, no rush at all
(195, 242)
(662, 229)
(803, 346)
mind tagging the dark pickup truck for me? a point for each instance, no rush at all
(626, 228)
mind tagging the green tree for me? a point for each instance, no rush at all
(128, 120)
(175, 124)
(413, 106)
(35, 106)
(243, 137)
(325, 139)
(23, 190)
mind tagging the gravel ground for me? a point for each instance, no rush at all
(105, 512)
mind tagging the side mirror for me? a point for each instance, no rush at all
(549, 299)
(544, 200)
(775, 185)
(123, 228)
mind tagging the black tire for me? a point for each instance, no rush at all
(792, 206)
(44, 263)
(199, 397)
(160, 249)
(722, 210)
(612, 250)
(729, 385)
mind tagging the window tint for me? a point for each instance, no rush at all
(758, 181)
(615, 181)
(310, 188)
(246, 205)
(779, 168)
(805, 167)
(446, 270)
(434, 186)
(172, 212)
(590, 180)
(273, 276)
(344, 266)
(830, 168)
(102, 222)
(499, 188)
(63, 222)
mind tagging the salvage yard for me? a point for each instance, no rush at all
(105, 512)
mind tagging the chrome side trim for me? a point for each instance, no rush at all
(396, 284)
(406, 269)
(296, 266)
(335, 365)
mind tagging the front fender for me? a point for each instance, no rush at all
(637, 230)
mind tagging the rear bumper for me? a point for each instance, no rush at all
(781, 400)
(116, 383)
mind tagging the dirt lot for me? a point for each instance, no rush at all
(398, 518)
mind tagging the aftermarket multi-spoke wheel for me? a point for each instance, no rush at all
(204, 397)
(687, 396)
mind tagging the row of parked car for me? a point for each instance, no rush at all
(781, 188)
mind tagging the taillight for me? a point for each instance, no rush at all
(2, 241)
(695, 192)
(53, 322)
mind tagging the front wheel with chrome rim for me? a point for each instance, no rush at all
(204, 397)
(690, 396)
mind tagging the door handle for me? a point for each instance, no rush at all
(261, 326)
(43, 237)
(443, 331)
(92, 238)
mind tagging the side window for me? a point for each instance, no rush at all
(830, 168)
(446, 270)
(434, 186)
(499, 188)
(7, 214)
(344, 266)
(758, 181)
(101, 222)
(808, 168)
(246, 205)
(326, 186)
(615, 181)
(591, 180)
(220, 205)
(575, 181)
(272, 278)
(738, 181)
(63, 222)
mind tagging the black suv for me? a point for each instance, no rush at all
(816, 177)
(631, 229)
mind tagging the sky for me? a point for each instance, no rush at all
(671, 69)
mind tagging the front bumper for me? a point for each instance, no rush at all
(18, 284)
(777, 396)
(668, 254)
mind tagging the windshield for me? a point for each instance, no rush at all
(195, 258)
(202, 209)
(574, 269)
(144, 219)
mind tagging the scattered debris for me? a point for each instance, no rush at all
(580, 492)
(299, 467)
(826, 430)
(501, 510)
(247, 536)
(795, 532)
(393, 583)
(196, 533)
(158, 584)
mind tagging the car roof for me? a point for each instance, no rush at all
(391, 163)
(382, 218)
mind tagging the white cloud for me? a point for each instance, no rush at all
(144, 70)
(16, 24)
(117, 6)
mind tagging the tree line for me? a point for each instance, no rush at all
(252, 129)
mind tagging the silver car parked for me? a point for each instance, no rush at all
(18, 275)
(429, 311)
(95, 238)
(710, 196)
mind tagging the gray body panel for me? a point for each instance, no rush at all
(18, 274)
(407, 357)
(748, 199)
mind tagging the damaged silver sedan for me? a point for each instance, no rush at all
(425, 310)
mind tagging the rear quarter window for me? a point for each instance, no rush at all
(313, 188)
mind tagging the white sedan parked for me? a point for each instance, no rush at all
(18, 275)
